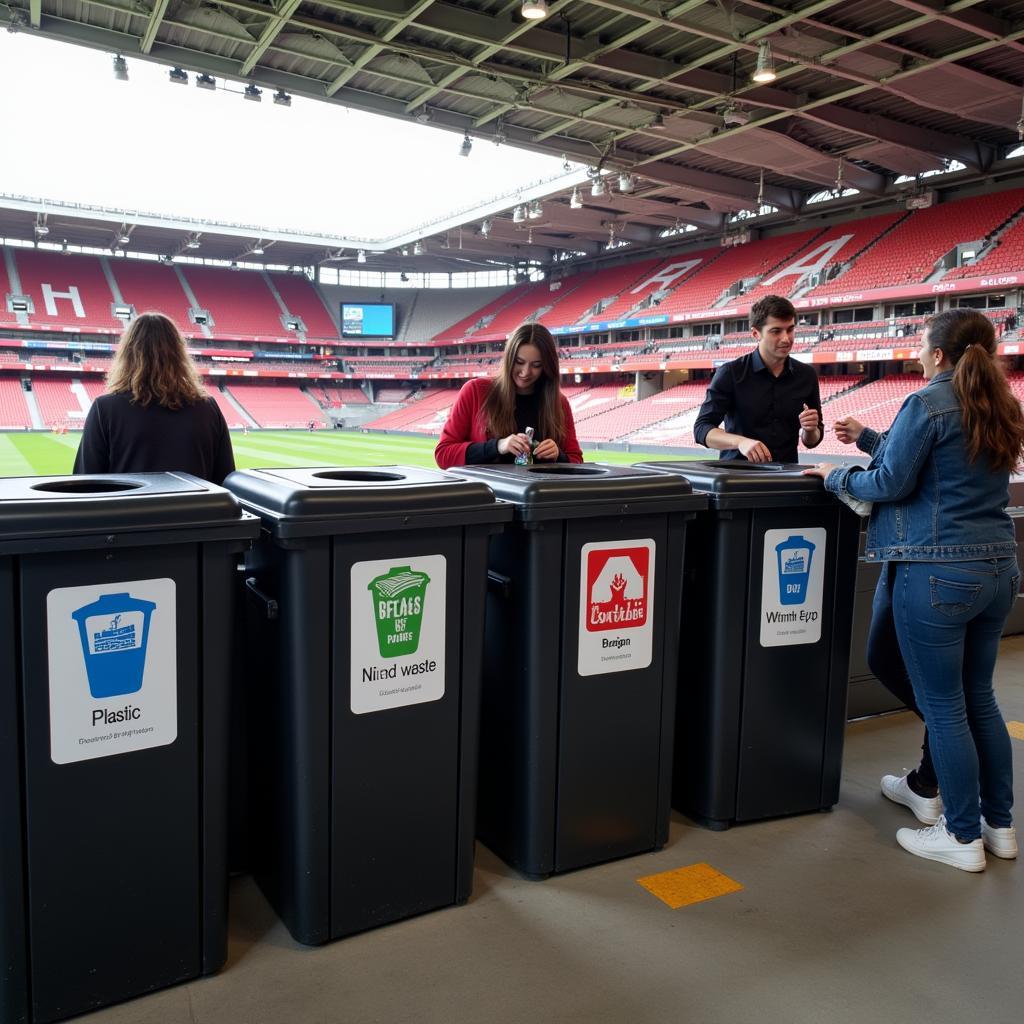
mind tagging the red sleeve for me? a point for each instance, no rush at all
(571, 446)
(457, 433)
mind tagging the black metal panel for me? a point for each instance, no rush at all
(113, 844)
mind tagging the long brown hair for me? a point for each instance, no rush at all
(152, 364)
(499, 408)
(992, 418)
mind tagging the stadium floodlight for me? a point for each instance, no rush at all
(764, 71)
(467, 145)
(257, 250)
(657, 122)
(418, 248)
(177, 76)
(253, 94)
(534, 10)
(575, 202)
(597, 187)
(518, 214)
(361, 256)
(192, 242)
(282, 99)
(536, 210)
(424, 116)
(41, 229)
(123, 238)
(735, 117)
(485, 227)
(205, 81)
(120, 68)
(627, 183)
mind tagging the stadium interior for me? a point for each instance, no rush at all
(864, 158)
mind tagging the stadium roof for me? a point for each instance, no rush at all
(865, 91)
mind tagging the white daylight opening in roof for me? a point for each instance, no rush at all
(1015, 152)
(830, 193)
(950, 167)
(313, 166)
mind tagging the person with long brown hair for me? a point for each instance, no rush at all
(489, 420)
(939, 486)
(156, 415)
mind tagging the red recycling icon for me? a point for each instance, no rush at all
(617, 588)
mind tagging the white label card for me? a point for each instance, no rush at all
(792, 585)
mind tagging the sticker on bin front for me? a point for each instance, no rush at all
(616, 606)
(792, 585)
(398, 629)
(113, 669)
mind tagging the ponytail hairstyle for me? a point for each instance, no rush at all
(499, 408)
(992, 418)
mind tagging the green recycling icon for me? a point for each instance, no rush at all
(398, 600)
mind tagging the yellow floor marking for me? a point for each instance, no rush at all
(692, 884)
(1016, 730)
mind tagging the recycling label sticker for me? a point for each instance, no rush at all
(398, 631)
(792, 585)
(616, 631)
(113, 668)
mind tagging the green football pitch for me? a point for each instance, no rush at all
(39, 454)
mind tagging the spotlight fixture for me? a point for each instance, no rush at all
(764, 72)
(597, 187)
(575, 202)
(535, 210)
(253, 94)
(534, 10)
(627, 183)
(361, 256)
(417, 248)
(485, 228)
(282, 99)
(735, 117)
(257, 250)
(424, 116)
(120, 68)
(123, 238)
(177, 76)
(657, 122)
(41, 229)
(206, 82)
(566, 166)
(192, 242)
(518, 214)
(467, 145)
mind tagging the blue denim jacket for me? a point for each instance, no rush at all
(931, 504)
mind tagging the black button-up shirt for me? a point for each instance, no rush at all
(755, 403)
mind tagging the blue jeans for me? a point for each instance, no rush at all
(949, 617)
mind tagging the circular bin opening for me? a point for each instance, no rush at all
(83, 485)
(362, 475)
(568, 469)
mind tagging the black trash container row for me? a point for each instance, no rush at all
(115, 611)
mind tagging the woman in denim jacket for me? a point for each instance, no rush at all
(939, 484)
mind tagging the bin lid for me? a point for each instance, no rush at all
(566, 490)
(326, 500)
(47, 512)
(736, 484)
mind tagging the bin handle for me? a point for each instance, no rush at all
(501, 585)
(269, 603)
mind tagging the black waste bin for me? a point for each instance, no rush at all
(768, 605)
(115, 613)
(580, 663)
(364, 690)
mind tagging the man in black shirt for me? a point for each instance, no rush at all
(766, 398)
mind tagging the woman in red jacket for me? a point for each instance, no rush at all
(489, 419)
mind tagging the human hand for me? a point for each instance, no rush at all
(514, 444)
(546, 451)
(822, 469)
(754, 451)
(848, 430)
(808, 418)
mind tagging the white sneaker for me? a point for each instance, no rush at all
(927, 809)
(1002, 842)
(938, 843)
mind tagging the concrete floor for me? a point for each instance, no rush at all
(835, 924)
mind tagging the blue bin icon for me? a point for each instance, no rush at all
(114, 631)
(794, 556)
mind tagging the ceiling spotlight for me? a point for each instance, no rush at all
(657, 122)
(123, 238)
(417, 248)
(282, 99)
(42, 230)
(467, 145)
(735, 117)
(566, 166)
(257, 250)
(597, 188)
(192, 242)
(206, 82)
(575, 203)
(253, 94)
(518, 214)
(361, 256)
(120, 68)
(535, 10)
(764, 72)
(177, 76)
(485, 228)
(424, 116)
(536, 210)
(627, 183)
